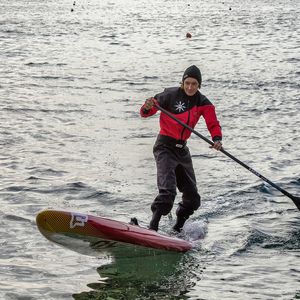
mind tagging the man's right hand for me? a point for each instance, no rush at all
(149, 103)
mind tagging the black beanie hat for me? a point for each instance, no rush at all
(193, 72)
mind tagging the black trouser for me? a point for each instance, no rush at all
(174, 169)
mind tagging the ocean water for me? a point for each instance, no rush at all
(71, 85)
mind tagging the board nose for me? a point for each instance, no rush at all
(42, 221)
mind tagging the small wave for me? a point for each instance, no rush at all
(257, 85)
(264, 188)
(43, 110)
(296, 181)
(204, 155)
(13, 31)
(47, 172)
(118, 80)
(34, 178)
(68, 187)
(16, 218)
(16, 188)
(258, 238)
(150, 77)
(77, 190)
(52, 77)
(77, 185)
(36, 64)
(292, 59)
(95, 195)
(140, 136)
(108, 36)
(62, 189)
(11, 141)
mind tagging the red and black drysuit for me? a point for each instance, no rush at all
(173, 159)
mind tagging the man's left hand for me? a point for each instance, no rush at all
(217, 145)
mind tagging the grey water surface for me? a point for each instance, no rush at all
(71, 85)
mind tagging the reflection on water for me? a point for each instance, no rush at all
(162, 275)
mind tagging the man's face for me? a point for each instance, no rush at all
(190, 86)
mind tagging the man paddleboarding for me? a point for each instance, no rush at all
(172, 156)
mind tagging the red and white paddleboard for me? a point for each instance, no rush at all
(82, 232)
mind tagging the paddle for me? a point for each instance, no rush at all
(295, 199)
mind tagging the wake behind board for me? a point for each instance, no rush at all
(89, 234)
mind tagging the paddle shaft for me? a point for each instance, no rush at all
(296, 200)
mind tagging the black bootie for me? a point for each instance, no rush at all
(179, 223)
(155, 221)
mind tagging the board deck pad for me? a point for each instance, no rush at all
(92, 235)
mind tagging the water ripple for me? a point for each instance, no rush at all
(71, 85)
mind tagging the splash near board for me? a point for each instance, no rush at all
(89, 234)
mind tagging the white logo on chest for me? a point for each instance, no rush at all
(180, 106)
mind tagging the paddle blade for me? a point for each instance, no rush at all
(296, 201)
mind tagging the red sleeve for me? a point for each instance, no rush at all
(212, 123)
(147, 113)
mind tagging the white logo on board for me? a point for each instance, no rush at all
(78, 220)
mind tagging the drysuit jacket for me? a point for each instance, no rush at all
(187, 109)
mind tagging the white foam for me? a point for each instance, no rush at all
(195, 230)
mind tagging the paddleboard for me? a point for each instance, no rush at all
(86, 233)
